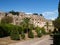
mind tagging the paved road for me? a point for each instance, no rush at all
(40, 41)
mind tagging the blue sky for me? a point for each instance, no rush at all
(47, 7)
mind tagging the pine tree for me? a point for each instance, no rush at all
(57, 21)
(59, 9)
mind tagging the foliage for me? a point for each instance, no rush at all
(43, 30)
(15, 34)
(35, 13)
(14, 13)
(5, 29)
(20, 28)
(47, 24)
(22, 35)
(30, 34)
(26, 23)
(57, 21)
(38, 31)
(31, 26)
(59, 9)
(41, 15)
(7, 20)
(56, 39)
(56, 36)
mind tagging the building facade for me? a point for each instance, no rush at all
(37, 20)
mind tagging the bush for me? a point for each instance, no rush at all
(20, 28)
(15, 34)
(5, 29)
(22, 35)
(6, 20)
(38, 31)
(43, 30)
(56, 39)
(39, 34)
(30, 34)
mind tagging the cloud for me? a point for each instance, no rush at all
(28, 13)
(52, 18)
(50, 14)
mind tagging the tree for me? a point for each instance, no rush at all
(14, 13)
(59, 9)
(38, 31)
(14, 34)
(26, 22)
(57, 21)
(35, 13)
(22, 35)
(47, 25)
(30, 34)
(7, 19)
(41, 15)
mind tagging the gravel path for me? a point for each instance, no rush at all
(45, 40)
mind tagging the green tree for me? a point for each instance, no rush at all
(35, 13)
(22, 35)
(38, 31)
(5, 29)
(47, 25)
(59, 9)
(7, 19)
(26, 22)
(13, 12)
(41, 15)
(56, 36)
(15, 34)
(57, 21)
(30, 34)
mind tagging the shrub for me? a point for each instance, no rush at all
(38, 31)
(39, 34)
(56, 39)
(50, 31)
(43, 30)
(20, 28)
(6, 20)
(15, 34)
(22, 35)
(5, 29)
(30, 34)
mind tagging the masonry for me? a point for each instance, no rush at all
(37, 20)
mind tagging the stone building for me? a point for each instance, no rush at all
(37, 20)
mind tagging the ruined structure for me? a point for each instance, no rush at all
(37, 20)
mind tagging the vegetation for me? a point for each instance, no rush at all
(26, 23)
(30, 34)
(57, 21)
(15, 34)
(23, 35)
(6, 20)
(14, 13)
(56, 39)
(56, 36)
(43, 31)
(38, 31)
(18, 31)
(5, 30)
(35, 13)
(47, 24)
(41, 15)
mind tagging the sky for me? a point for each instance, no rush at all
(49, 8)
